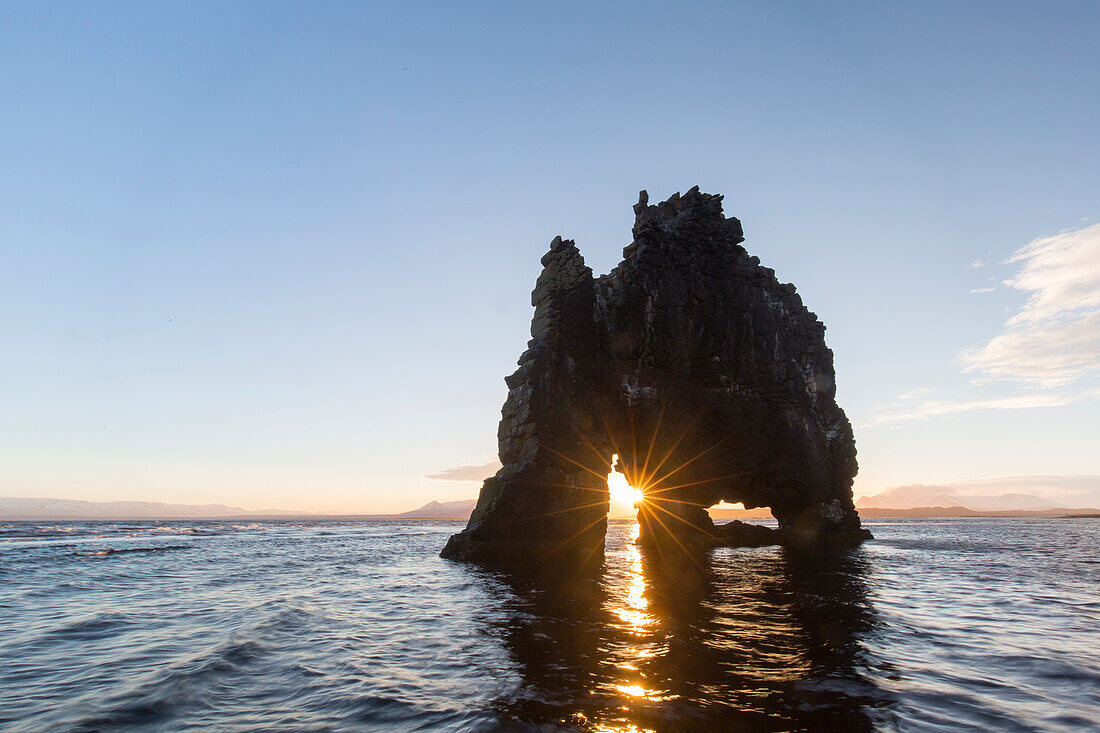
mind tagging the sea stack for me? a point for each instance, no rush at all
(702, 372)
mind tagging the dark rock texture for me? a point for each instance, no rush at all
(707, 376)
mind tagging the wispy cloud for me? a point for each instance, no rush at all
(1051, 344)
(1054, 339)
(975, 265)
(914, 394)
(477, 472)
(907, 410)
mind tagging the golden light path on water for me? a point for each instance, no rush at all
(637, 683)
(637, 625)
(630, 605)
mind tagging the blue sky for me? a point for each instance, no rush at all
(280, 255)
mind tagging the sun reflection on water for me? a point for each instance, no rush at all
(633, 611)
(652, 640)
(631, 606)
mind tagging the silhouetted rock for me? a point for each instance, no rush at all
(743, 534)
(707, 376)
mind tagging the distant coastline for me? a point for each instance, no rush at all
(951, 512)
(18, 509)
(37, 509)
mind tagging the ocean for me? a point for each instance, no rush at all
(938, 625)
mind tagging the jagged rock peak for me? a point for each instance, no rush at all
(555, 293)
(694, 210)
(563, 269)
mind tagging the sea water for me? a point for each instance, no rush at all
(957, 624)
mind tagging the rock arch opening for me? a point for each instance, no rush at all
(706, 377)
(623, 495)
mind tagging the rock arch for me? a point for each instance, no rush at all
(706, 375)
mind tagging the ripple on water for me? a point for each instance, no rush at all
(952, 625)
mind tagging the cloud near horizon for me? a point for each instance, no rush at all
(478, 472)
(907, 409)
(1054, 339)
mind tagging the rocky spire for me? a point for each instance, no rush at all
(706, 375)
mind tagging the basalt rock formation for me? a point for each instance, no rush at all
(706, 376)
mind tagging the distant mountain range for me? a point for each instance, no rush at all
(19, 508)
(958, 511)
(41, 509)
(941, 504)
(921, 495)
(924, 500)
(917, 500)
(442, 510)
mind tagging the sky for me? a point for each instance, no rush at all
(279, 255)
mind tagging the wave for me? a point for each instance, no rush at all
(89, 628)
(111, 551)
(315, 628)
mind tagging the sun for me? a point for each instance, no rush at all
(622, 493)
